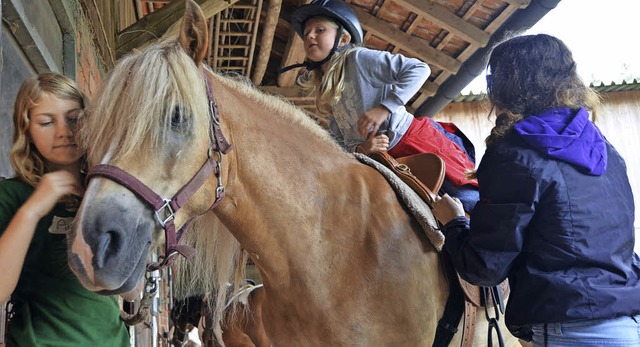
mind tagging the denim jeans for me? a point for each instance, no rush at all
(468, 194)
(618, 332)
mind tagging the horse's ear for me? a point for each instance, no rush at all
(193, 32)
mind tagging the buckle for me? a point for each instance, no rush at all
(165, 213)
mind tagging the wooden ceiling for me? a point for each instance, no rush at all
(253, 37)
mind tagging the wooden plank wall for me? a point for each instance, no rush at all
(108, 18)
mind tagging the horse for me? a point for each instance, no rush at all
(341, 259)
(238, 329)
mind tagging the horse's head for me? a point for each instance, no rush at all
(153, 122)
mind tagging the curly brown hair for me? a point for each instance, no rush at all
(531, 74)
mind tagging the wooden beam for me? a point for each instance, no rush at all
(149, 28)
(158, 23)
(270, 24)
(293, 54)
(257, 12)
(210, 8)
(429, 88)
(441, 16)
(519, 3)
(408, 43)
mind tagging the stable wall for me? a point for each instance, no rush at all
(40, 36)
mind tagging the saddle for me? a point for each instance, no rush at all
(424, 173)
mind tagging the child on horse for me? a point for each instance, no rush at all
(50, 306)
(364, 92)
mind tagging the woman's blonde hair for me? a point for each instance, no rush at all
(27, 162)
(329, 85)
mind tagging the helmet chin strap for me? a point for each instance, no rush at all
(312, 65)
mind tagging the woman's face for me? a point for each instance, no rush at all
(319, 36)
(51, 126)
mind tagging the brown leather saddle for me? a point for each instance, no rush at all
(425, 173)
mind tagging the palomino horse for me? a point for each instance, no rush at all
(342, 261)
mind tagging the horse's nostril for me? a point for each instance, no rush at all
(108, 246)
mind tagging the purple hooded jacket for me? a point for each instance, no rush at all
(563, 136)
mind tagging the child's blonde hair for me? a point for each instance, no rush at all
(27, 162)
(330, 84)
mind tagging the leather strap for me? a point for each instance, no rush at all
(453, 311)
(469, 324)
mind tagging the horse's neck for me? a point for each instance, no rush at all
(287, 186)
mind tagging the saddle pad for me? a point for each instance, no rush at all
(416, 206)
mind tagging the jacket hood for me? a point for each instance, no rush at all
(568, 136)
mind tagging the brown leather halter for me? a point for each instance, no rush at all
(165, 209)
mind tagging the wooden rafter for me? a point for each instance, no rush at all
(491, 28)
(519, 3)
(440, 16)
(410, 44)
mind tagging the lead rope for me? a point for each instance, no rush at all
(150, 291)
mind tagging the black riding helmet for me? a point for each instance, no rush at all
(333, 9)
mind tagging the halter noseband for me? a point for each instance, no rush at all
(165, 209)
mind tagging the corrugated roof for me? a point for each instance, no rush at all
(622, 86)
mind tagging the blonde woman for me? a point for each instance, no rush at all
(364, 92)
(37, 206)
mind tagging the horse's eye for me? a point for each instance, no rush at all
(178, 118)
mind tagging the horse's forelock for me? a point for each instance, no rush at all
(138, 101)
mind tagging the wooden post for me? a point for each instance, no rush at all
(266, 40)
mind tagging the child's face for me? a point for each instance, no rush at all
(319, 37)
(50, 130)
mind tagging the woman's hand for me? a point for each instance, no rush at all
(52, 187)
(447, 208)
(375, 144)
(370, 121)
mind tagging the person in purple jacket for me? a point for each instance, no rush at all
(556, 211)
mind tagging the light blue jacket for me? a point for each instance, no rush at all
(375, 78)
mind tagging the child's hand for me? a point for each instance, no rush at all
(375, 144)
(370, 121)
(52, 187)
(447, 208)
